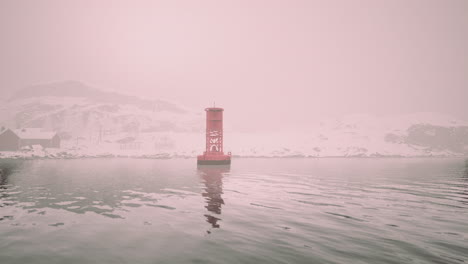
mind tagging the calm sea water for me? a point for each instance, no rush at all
(256, 211)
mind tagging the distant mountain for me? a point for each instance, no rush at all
(96, 121)
(74, 89)
(418, 134)
(77, 110)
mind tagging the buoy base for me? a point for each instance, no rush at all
(214, 162)
(214, 159)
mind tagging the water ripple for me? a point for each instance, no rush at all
(256, 211)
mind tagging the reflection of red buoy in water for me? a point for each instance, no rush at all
(213, 154)
(212, 177)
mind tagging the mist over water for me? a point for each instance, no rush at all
(259, 210)
(286, 63)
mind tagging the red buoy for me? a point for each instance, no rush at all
(214, 154)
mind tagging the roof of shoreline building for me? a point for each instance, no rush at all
(31, 133)
(34, 133)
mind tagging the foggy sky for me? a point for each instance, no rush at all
(266, 62)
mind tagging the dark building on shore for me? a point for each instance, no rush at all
(13, 140)
(9, 141)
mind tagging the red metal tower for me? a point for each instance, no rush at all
(214, 154)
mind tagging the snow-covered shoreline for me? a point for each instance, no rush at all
(95, 124)
(168, 155)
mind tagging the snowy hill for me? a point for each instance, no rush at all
(420, 134)
(78, 110)
(92, 122)
(73, 89)
(89, 118)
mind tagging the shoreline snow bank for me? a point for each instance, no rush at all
(63, 154)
